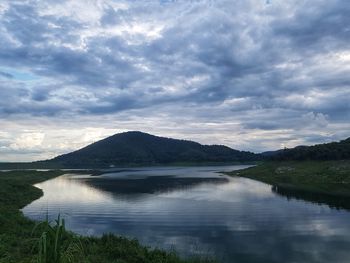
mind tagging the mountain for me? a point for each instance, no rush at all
(326, 151)
(137, 148)
(271, 153)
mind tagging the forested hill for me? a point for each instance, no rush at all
(137, 148)
(327, 151)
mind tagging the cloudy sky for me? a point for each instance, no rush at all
(251, 74)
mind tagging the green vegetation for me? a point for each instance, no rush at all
(137, 148)
(21, 240)
(327, 177)
(327, 151)
(54, 244)
(16, 241)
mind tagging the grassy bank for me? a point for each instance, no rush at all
(326, 177)
(19, 244)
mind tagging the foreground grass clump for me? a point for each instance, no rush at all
(56, 245)
(21, 240)
(16, 241)
(328, 177)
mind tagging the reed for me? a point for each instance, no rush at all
(56, 245)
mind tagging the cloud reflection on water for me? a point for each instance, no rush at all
(231, 218)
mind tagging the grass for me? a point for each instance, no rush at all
(22, 240)
(326, 177)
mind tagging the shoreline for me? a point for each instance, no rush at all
(18, 244)
(326, 182)
(8, 167)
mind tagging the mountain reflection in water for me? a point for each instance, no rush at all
(336, 202)
(197, 211)
(150, 185)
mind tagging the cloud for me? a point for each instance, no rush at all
(6, 75)
(214, 71)
(28, 140)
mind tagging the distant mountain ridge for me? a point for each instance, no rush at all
(326, 151)
(138, 148)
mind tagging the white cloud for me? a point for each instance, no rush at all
(28, 140)
(248, 74)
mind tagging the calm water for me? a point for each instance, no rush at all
(200, 212)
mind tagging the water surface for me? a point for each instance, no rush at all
(197, 211)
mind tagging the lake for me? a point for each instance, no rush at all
(198, 211)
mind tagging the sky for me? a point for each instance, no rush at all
(254, 75)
